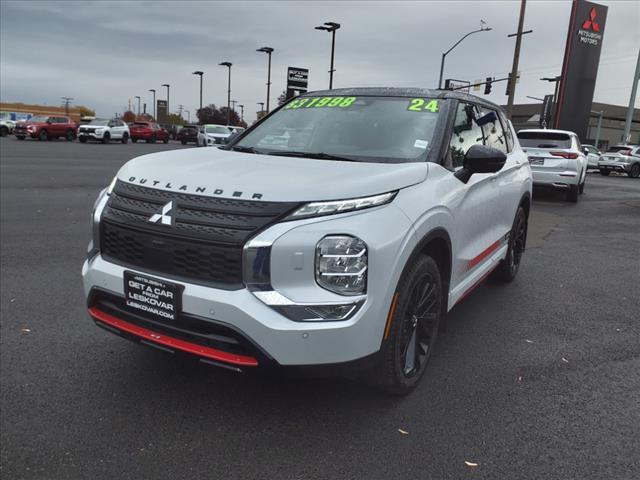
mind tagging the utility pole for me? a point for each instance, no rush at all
(67, 102)
(138, 97)
(152, 90)
(180, 108)
(168, 86)
(516, 58)
(228, 65)
(632, 100)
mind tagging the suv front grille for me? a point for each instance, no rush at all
(204, 244)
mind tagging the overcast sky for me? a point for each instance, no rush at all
(105, 53)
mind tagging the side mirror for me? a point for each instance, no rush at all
(481, 159)
(585, 150)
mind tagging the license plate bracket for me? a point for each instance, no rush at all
(155, 297)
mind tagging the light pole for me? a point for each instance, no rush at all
(138, 97)
(241, 112)
(228, 64)
(199, 73)
(444, 55)
(268, 51)
(233, 105)
(153, 90)
(330, 27)
(261, 108)
(167, 85)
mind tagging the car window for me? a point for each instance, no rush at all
(540, 139)
(466, 133)
(493, 133)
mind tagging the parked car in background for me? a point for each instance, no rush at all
(6, 127)
(188, 134)
(622, 159)
(557, 160)
(104, 130)
(236, 129)
(172, 129)
(593, 155)
(148, 131)
(212, 134)
(46, 127)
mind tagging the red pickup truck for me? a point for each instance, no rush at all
(149, 131)
(46, 127)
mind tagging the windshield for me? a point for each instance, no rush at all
(100, 122)
(217, 129)
(620, 148)
(141, 124)
(38, 119)
(544, 140)
(367, 129)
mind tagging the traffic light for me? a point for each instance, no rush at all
(487, 85)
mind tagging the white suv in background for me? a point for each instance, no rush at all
(211, 134)
(557, 160)
(104, 130)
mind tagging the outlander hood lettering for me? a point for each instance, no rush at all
(192, 189)
(165, 217)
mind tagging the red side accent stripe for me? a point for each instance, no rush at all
(484, 254)
(202, 351)
(475, 285)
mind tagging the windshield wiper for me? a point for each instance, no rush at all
(319, 155)
(240, 148)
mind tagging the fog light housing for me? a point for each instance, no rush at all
(341, 264)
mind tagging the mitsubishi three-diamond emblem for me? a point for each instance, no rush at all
(165, 217)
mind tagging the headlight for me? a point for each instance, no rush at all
(341, 264)
(315, 209)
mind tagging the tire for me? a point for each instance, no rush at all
(605, 173)
(414, 328)
(43, 136)
(154, 139)
(20, 137)
(125, 138)
(581, 189)
(4, 131)
(134, 140)
(166, 140)
(635, 170)
(70, 136)
(572, 194)
(106, 137)
(82, 139)
(508, 268)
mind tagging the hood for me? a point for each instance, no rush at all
(224, 173)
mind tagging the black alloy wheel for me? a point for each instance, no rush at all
(508, 268)
(4, 131)
(417, 311)
(635, 170)
(43, 136)
(70, 136)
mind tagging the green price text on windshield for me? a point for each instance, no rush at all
(319, 102)
(423, 105)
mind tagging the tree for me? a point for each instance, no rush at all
(213, 114)
(86, 112)
(128, 116)
(282, 98)
(175, 119)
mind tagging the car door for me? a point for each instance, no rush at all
(475, 206)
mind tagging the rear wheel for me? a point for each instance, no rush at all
(605, 172)
(4, 131)
(43, 136)
(413, 329)
(20, 137)
(125, 137)
(508, 268)
(635, 170)
(70, 136)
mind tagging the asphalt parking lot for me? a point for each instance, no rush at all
(536, 379)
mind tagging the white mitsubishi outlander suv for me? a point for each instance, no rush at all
(342, 246)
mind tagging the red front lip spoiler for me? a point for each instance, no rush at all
(195, 349)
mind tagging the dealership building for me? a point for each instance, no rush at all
(611, 129)
(23, 111)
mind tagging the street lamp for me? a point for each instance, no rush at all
(261, 106)
(241, 112)
(481, 29)
(199, 73)
(167, 85)
(330, 27)
(153, 90)
(138, 97)
(228, 64)
(268, 51)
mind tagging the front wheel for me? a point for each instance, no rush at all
(572, 194)
(125, 138)
(70, 136)
(605, 173)
(106, 137)
(43, 136)
(417, 309)
(635, 170)
(166, 140)
(508, 268)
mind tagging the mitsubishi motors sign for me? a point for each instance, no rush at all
(580, 66)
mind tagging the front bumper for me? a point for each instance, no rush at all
(90, 135)
(615, 167)
(281, 340)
